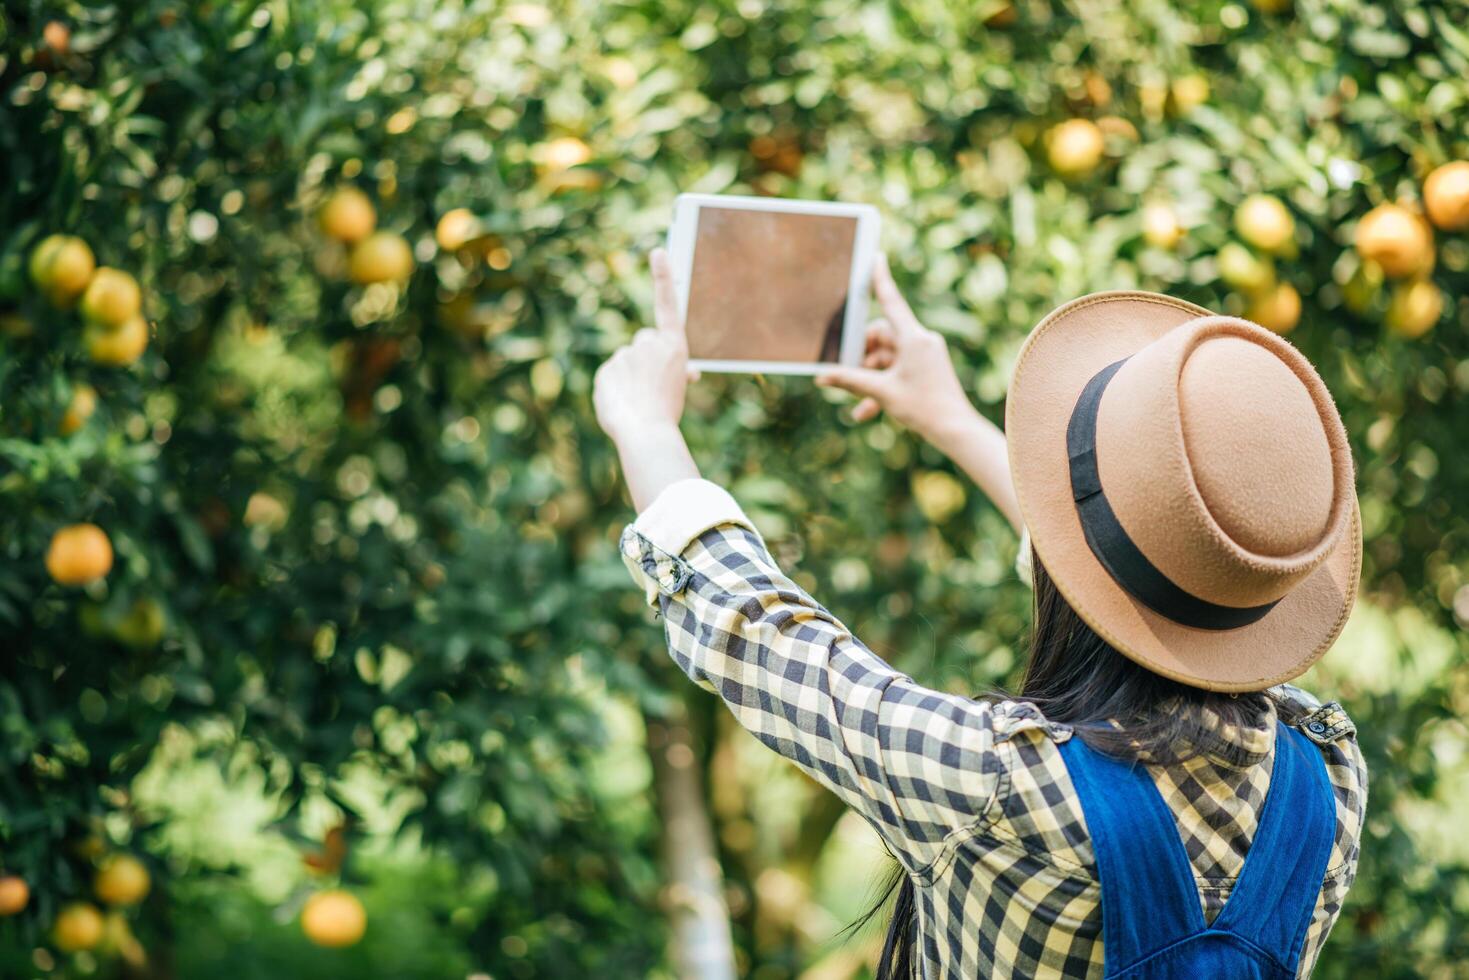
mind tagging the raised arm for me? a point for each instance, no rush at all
(639, 396)
(918, 764)
(907, 373)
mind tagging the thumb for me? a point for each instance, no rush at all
(859, 381)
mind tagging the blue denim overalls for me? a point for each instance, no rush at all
(1152, 926)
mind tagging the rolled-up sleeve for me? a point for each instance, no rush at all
(918, 764)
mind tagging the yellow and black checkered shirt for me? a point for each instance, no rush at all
(971, 796)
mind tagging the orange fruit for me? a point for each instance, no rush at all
(117, 347)
(15, 894)
(1188, 93)
(348, 215)
(564, 153)
(1277, 309)
(1074, 147)
(455, 229)
(56, 36)
(380, 257)
(1414, 308)
(938, 495)
(78, 926)
(61, 266)
(112, 298)
(141, 627)
(1446, 196)
(1242, 269)
(333, 918)
(1264, 222)
(1161, 228)
(83, 404)
(122, 880)
(79, 553)
(1396, 239)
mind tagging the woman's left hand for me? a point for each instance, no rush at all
(641, 387)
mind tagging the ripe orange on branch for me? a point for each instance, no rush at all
(112, 298)
(78, 927)
(380, 257)
(57, 37)
(1396, 239)
(15, 894)
(1243, 270)
(117, 346)
(1277, 309)
(1161, 228)
(1446, 196)
(456, 229)
(1188, 93)
(1074, 147)
(564, 153)
(61, 266)
(79, 553)
(1263, 221)
(122, 880)
(1414, 308)
(348, 215)
(333, 918)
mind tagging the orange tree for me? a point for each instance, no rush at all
(360, 521)
(340, 524)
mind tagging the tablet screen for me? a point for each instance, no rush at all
(769, 285)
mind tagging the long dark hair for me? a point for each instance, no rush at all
(1117, 707)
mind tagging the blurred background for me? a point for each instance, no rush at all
(318, 658)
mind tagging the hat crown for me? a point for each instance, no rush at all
(1255, 441)
(1225, 461)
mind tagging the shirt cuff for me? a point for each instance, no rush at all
(685, 510)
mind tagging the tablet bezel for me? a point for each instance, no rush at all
(684, 230)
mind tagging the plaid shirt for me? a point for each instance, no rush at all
(972, 797)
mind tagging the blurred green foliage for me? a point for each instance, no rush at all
(380, 521)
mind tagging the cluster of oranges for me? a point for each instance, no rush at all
(1393, 240)
(121, 882)
(115, 334)
(64, 269)
(374, 256)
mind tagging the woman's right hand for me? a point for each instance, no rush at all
(906, 371)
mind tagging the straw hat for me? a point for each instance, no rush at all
(1187, 482)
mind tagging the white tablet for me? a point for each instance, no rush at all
(772, 286)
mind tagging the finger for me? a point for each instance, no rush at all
(859, 381)
(879, 335)
(665, 299)
(693, 374)
(879, 358)
(894, 307)
(867, 410)
(644, 336)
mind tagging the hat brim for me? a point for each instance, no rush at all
(1063, 352)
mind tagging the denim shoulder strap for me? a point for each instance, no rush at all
(1272, 903)
(1149, 899)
